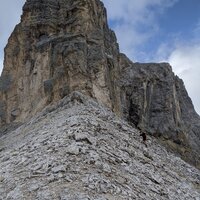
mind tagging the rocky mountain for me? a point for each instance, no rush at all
(77, 149)
(61, 46)
(156, 101)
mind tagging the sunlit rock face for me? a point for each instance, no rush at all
(61, 46)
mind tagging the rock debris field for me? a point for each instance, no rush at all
(77, 149)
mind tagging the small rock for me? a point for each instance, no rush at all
(106, 168)
(73, 149)
(60, 175)
(1, 178)
(147, 155)
(80, 137)
(68, 179)
(34, 187)
(5, 158)
(15, 153)
(51, 178)
(60, 168)
(2, 148)
(124, 128)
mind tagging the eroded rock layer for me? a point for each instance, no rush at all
(59, 46)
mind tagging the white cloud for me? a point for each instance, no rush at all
(134, 11)
(135, 22)
(130, 39)
(186, 64)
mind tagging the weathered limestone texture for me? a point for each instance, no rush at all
(77, 149)
(156, 101)
(61, 46)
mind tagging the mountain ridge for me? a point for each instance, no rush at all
(77, 148)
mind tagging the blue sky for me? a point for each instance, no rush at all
(147, 31)
(161, 30)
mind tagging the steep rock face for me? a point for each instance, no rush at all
(156, 101)
(59, 46)
(65, 45)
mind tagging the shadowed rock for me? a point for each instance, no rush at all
(156, 101)
(78, 149)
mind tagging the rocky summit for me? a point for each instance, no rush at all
(77, 149)
(72, 105)
(60, 46)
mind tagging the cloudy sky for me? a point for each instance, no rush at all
(147, 31)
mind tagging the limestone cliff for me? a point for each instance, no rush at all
(65, 45)
(59, 46)
(156, 101)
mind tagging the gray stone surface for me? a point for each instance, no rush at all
(156, 101)
(5, 82)
(49, 157)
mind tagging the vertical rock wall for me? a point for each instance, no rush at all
(59, 47)
(156, 101)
